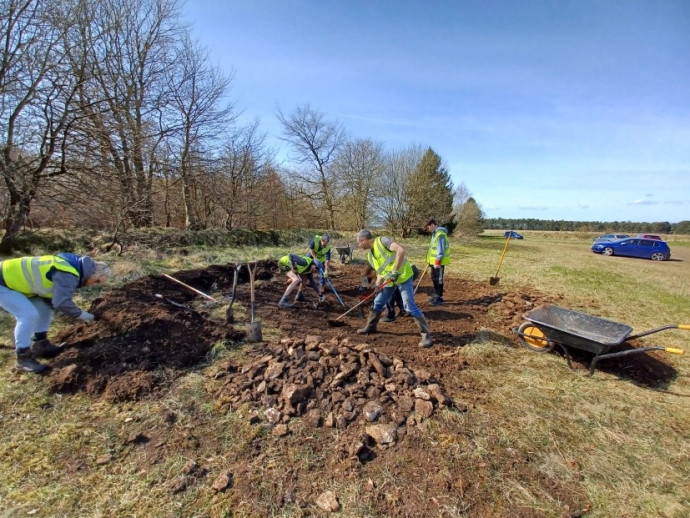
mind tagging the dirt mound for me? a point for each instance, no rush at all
(149, 331)
(140, 342)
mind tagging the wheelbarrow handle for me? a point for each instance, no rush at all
(673, 350)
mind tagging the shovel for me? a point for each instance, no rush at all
(494, 280)
(189, 287)
(230, 313)
(253, 328)
(420, 280)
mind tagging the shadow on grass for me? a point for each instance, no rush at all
(643, 369)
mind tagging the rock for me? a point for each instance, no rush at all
(313, 418)
(382, 433)
(272, 415)
(423, 408)
(177, 485)
(329, 422)
(104, 459)
(372, 411)
(190, 467)
(294, 394)
(274, 370)
(405, 404)
(435, 392)
(328, 502)
(224, 481)
(420, 393)
(137, 438)
(280, 430)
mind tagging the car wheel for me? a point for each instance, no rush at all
(533, 338)
(607, 251)
(658, 256)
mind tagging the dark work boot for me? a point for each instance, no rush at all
(27, 363)
(424, 329)
(390, 317)
(371, 323)
(299, 297)
(44, 349)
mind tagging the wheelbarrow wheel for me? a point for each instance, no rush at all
(533, 338)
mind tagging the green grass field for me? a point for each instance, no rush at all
(622, 447)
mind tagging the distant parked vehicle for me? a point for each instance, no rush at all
(512, 234)
(653, 249)
(610, 237)
(649, 236)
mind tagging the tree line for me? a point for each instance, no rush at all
(113, 117)
(630, 227)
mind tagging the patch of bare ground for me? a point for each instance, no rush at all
(321, 407)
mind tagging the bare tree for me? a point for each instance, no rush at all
(198, 119)
(358, 164)
(316, 142)
(393, 202)
(126, 103)
(37, 90)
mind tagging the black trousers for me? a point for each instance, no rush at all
(437, 279)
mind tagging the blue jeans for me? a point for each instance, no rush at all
(33, 315)
(407, 292)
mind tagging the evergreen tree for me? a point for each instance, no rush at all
(430, 191)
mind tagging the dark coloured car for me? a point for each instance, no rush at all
(633, 247)
(512, 234)
(611, 237)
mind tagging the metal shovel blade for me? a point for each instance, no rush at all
(493, 281)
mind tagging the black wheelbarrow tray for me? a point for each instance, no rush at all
(549, 325)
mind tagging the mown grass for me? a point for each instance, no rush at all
(620, 446)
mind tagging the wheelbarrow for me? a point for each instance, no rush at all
(345, 253)
(549, 325)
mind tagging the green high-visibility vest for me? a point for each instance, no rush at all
(433, 251)
(28, 275)
(285, 262)
(383, 260)
(320, 252)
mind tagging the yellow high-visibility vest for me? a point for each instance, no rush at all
(383, 260)
(433, 245)
(28, 275)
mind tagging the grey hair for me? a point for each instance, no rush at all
(365, 233)
(101, 270)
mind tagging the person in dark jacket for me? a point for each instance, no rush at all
(32, 288)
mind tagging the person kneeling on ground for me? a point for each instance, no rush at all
(299, 268)
(388, 260)
(31, 288)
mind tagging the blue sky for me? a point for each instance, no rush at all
(576, 110)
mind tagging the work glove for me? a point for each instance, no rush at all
(325, 274)
(393, 276)
(87, 317)
(437, 264)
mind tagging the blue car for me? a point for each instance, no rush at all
(512, 234)
(634, 247)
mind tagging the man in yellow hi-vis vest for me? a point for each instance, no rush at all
(32, 287)
(437, 257)
(387, 258)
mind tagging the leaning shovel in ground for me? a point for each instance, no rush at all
(230, 313)
(253, 328)
(494, 280)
